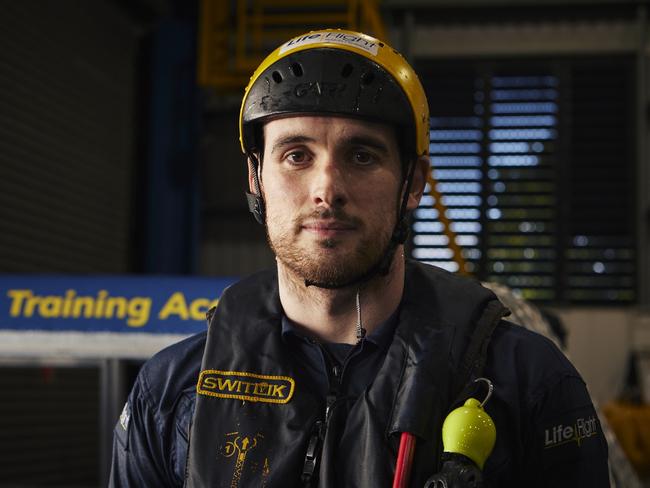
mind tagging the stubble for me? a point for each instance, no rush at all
(319, 263)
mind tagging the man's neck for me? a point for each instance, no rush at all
(331, 315)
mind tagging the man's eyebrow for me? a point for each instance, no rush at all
(288, 140)
(369, 141)
(353, 140)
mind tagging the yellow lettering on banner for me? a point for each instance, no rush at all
(199, 307)
(17, 297)
(99, 304)
(50, 307)
(115, 307)
(136, 311)
(32, 301)
(86, 303)
(67, 303)
(139, 311)
(176, 305)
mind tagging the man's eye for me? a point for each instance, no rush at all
(363, 157)
(296, 157)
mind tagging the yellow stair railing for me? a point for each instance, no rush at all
(235, 35)
(456, 250)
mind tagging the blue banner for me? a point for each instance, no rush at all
(152, 304)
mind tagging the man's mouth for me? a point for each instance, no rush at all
(328, 228)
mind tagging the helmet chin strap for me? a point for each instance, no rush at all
(255, 200)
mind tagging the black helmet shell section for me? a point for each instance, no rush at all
(327, 81)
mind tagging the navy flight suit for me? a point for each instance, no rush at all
(548, 433)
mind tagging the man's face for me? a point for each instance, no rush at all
(332, 188)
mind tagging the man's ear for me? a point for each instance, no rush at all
(420, 176)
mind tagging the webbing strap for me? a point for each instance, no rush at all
(475, 356)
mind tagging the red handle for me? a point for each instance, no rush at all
(404, 460)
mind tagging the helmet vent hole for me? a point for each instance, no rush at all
(347, 70)
(296, 69)
(277, 77)
(367, 78)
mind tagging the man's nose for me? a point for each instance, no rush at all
(328, 185)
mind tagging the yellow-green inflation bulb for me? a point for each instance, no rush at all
(470, 431)
(468, 437)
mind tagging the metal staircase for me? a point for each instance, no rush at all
(235, 35)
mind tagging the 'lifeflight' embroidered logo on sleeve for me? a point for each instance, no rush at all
(561, 434)
(241, 385)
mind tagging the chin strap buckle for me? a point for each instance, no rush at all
(256, 206)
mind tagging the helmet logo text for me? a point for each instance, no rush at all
(333, 37)
(319, 88)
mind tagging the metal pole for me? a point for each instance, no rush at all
(643, 167)
(112, 395)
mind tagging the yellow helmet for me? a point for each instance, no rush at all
(337, 72)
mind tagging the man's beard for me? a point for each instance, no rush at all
(328, 269)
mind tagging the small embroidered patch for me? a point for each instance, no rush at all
(242, 385)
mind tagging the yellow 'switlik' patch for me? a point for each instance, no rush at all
(242, 385)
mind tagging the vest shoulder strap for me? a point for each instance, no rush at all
(475, 356)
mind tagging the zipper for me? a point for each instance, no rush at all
(319, 430)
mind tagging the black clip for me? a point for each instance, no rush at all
(313, 452)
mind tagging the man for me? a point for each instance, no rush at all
(309, 373)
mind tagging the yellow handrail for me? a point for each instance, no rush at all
(233, 41)
(458, 257)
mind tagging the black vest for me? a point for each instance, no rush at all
(255, 409)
